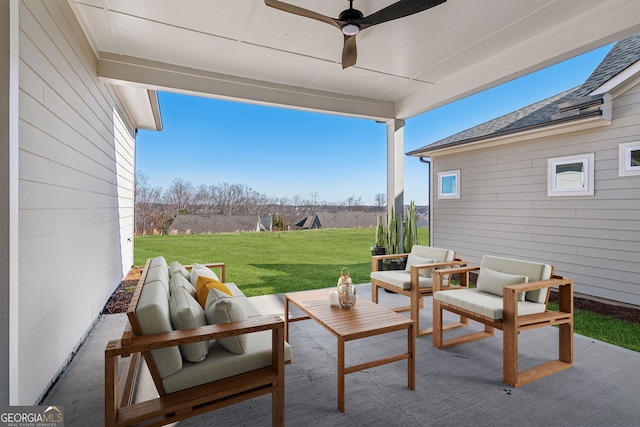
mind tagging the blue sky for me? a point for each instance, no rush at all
(286, 153)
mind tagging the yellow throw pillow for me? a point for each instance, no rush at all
(205, 284)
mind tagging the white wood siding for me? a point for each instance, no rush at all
(504, 208)
(76, 172)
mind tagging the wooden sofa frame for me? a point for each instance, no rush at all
(511, 325)
(120, 409)
(416, 293)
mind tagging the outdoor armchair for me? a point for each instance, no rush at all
(511, 295)
(415, 280)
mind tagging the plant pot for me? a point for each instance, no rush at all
(378, 250)
(393, 264)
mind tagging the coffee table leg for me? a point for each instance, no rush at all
(411, 362)
(341, 374)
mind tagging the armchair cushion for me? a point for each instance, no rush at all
(485, 304)
(414, 259)
(492, 281)
(402, 279)
(533, 270)
(186, 313)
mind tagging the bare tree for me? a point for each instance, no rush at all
(380, 200)
(148, 209)
(179, 195)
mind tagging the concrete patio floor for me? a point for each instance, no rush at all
(458, 386)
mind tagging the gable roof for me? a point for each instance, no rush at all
(199, 224)
(571, 105)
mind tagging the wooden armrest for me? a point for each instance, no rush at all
(436, 274)
(438, 265)
(565, 291)
(187, 336)
(538, 284)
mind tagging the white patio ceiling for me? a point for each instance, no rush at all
(244, 50)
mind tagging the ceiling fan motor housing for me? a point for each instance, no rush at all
(352, 17)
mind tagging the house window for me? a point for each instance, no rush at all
(571, 175)
(449, 185)
(629, 159)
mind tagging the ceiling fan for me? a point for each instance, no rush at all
(351, 21)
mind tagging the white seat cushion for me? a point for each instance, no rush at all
(484, 304)
(402, 279)
(221, 363)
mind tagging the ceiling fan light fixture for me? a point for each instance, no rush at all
(350, 29)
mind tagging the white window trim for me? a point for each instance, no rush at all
(624, 159)
(456, 191)
(587, 189)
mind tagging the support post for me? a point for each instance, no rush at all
(395, 169)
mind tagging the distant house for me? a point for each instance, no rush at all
(344, 219)
(557, 181)
(201, 224)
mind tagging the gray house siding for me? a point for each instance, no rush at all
(76, 171)
(504, 208)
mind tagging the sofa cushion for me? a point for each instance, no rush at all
(198, 270)
(152, 315)
(204, 284)
(158, 261)
(178, 281)
(485, 304)
(221, 363)
(414, 259)
(186, 313)
(160, 274)
(492, 281)
(533, 270)
(226, 310)
(176, 267)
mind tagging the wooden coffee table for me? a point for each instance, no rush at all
(365, 319)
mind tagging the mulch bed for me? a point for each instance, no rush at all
(121, 297)
(119, 301)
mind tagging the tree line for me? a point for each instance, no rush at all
(155, 208)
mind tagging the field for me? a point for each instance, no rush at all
(271, 263)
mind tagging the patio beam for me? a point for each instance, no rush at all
(126, 70)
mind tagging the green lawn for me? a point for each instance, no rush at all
(272, 263)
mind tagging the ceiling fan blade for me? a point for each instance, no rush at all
(397, 10)
(296, 10)
(349, 52)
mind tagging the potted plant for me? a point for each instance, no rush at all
(381, 238)
(393, 242)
